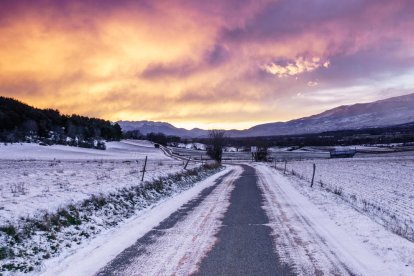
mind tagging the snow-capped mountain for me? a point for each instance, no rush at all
(146, 127)
(392, 111)
(388, 112)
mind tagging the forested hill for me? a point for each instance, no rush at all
(21, 122)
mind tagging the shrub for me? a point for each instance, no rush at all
(97, 201)
(5, 252)
(338, 190)
(211, 165)
(321, 183)
(9, 230)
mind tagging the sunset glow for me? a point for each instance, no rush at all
(226, 64)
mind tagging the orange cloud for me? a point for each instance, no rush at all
(194, 63)
(299, 66)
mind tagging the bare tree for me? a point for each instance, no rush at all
(261, 153)
(216, 144)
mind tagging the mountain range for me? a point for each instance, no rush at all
(388, 112)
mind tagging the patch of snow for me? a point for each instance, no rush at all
(230, 149)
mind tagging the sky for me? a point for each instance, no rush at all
(210, 64)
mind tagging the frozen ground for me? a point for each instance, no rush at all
(381, 186)
(124, 150)
(35, 178)
(318, 233)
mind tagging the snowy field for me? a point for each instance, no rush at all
(381, 186)
(318, 233)
(124, 150)
(35, 178)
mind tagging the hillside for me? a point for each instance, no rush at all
(21, 122)
(388, 112)
(146, 127)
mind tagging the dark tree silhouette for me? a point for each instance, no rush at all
(19, 121)
(216, 144)
(161, 138)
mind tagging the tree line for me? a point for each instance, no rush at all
(158, 138)
(20, 122)
(381, 135)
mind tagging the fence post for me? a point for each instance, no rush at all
(188, 160)
(284, 171)
(144, 168)
(313, 174)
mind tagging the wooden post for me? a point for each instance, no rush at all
(144, 168)
(313, 174)
(188, 160)
(284, 171)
